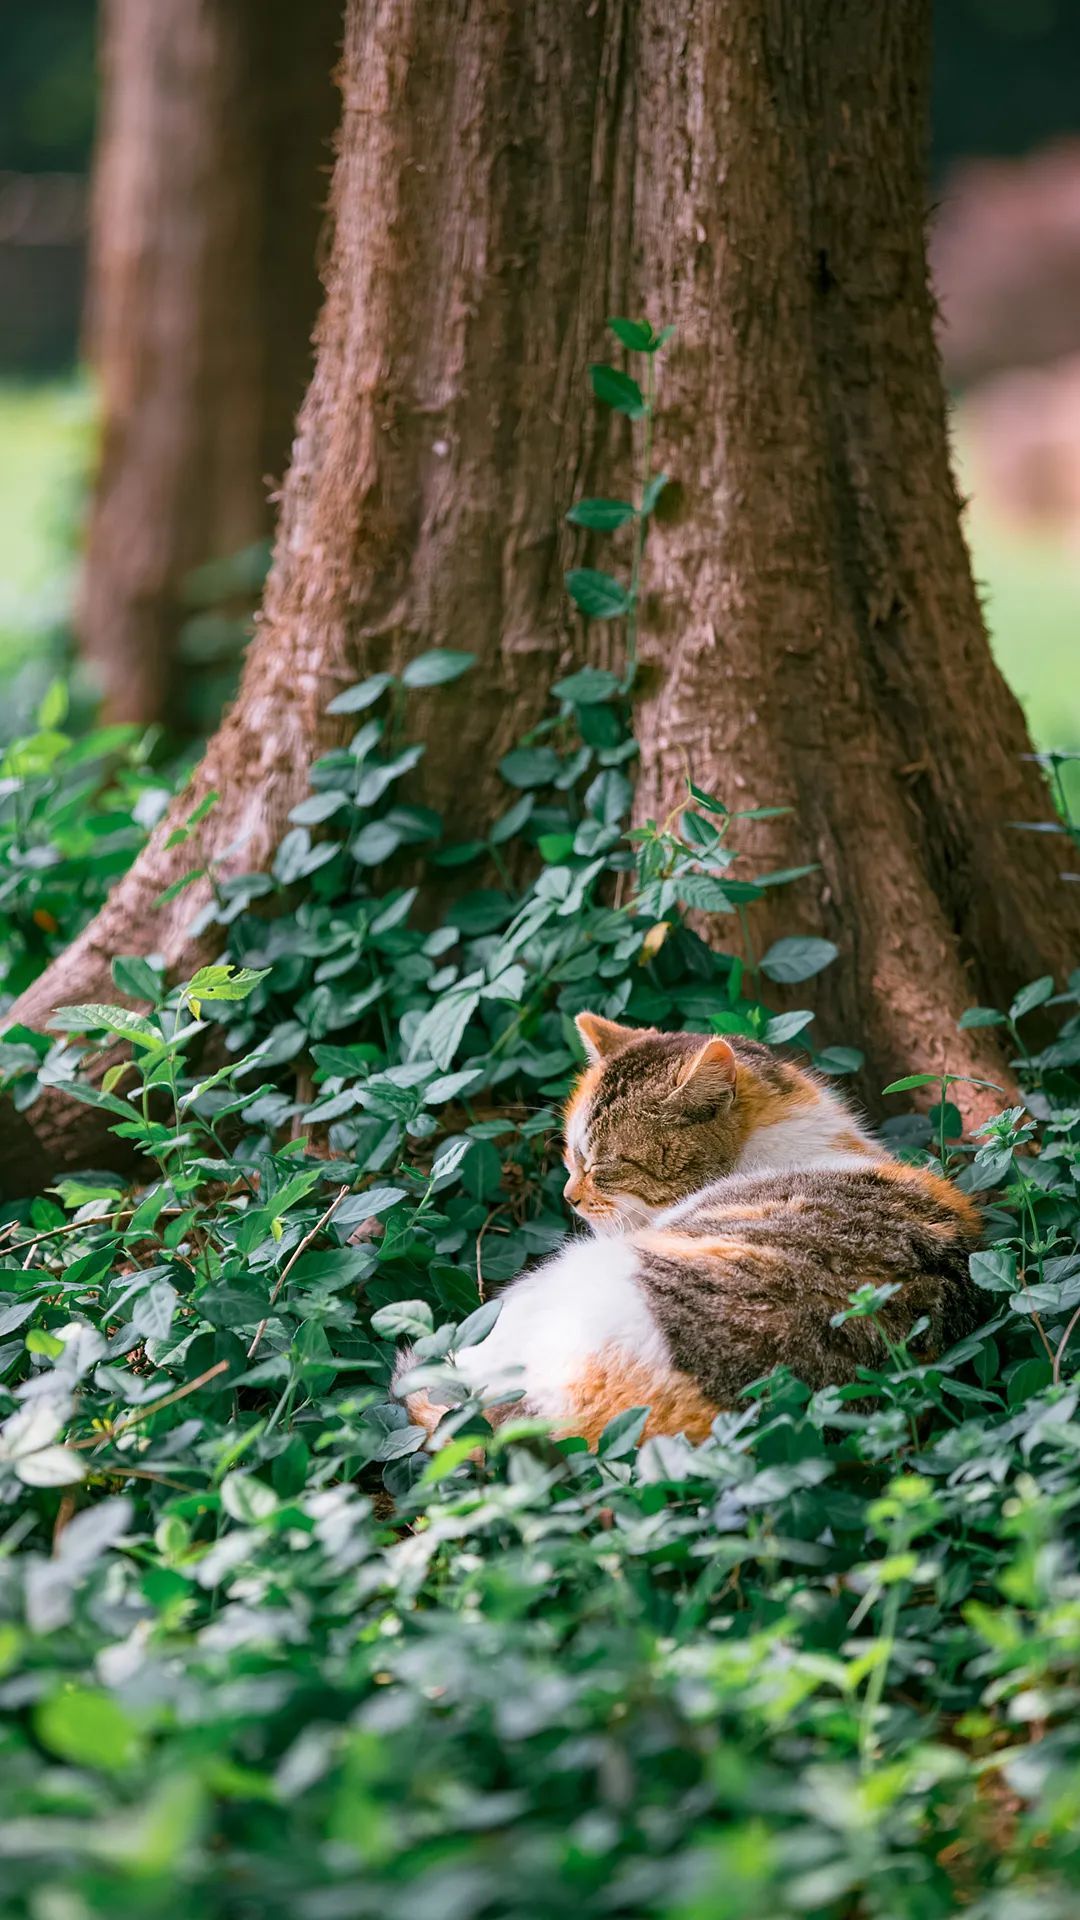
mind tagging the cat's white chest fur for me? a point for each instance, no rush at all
(555, 1320)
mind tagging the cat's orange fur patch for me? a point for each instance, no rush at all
(943, 1192)
(613, 1381)
(685, 1246)
(423, 1411)
(765, 1210)
(583, 1089)
(756, 1103)
(851, 1143)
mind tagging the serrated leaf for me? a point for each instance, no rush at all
(99, 1017)
(701, 892)
(225, 982)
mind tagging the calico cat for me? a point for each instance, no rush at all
(735, 1204)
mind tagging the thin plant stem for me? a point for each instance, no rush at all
(154, 1406)
(875, 1686)
(640, 529)
(1062, 1344)
(290, 1264)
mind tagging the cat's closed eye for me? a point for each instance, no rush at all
(613, 1173)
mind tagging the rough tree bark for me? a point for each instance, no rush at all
(507, 175)
(815, 625)
(210, 179)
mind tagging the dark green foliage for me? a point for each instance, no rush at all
(261, 1655)
(73, 813)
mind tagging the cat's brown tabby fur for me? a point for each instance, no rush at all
(735, 1205)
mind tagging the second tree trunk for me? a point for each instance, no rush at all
(209, 184)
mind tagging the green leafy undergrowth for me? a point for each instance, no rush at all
(74, 811)
(261, 1654)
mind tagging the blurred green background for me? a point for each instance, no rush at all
(1006, 223)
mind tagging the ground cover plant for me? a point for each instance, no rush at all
(260, 1653)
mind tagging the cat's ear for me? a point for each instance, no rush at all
(602, 1038)
(709, 1074)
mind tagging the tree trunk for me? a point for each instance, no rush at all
(813, 621)
(507, 175)
(210, 178)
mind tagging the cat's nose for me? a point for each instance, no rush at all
(573, 1189)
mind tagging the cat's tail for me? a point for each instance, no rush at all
(423, 1411)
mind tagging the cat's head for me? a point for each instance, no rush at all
(656, 1116)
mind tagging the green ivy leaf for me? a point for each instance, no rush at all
(635, 334)
(88, 1728)
(589, 687)
(621, 1435)
(132, 974)
(530, 767)
(602, 515)
(994, 1270)
(436, 667)
(617, 390)
(402, 1320)
(784, 1026)
(798, 958)
(1032, 996)
(599, 595)
(363, 694)
(478, 1325)
(839, 1060)
(652, 494)
(375, 843)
